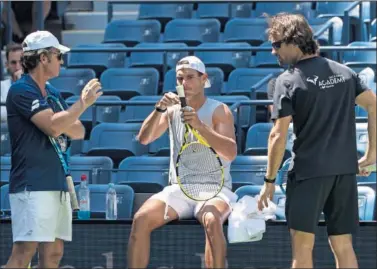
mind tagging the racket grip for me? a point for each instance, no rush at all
(183, 101)
(72, 194)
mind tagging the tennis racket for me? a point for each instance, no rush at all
(200, 172)
(62, 145)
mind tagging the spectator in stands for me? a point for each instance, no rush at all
(214, 121)
(22, 13)
(39, 201)
(13, 55)
(319, 95)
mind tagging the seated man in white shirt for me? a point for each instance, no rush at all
(14, 68)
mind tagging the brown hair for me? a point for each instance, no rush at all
(293, 29)
(30, 59)
(11, 48)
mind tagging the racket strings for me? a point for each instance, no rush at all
(200, 171)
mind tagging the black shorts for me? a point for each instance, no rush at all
(335, 196)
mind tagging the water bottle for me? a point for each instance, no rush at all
(84, 199)
(111, 203)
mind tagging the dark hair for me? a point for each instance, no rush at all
(11, 48)
(30, 59)
(293, 29)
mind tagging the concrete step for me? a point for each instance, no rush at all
(73, 38)
(94, 20)
(102, 6)
(80, 6)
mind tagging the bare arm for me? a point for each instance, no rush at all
(153, 127)
(222, 137)
(55, 124)
(367, 100)
(76, 130)
(157, 122)
(276, 145)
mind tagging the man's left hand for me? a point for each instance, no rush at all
(190, 117)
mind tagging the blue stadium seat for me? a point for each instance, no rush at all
(362, 137)
(257, 140)
(144, 174)
(156, 59)
(5, 148)
(265, 59)
(279, 197)
(241, 80)
(226, 60)
(367, 202)
(125, 199)
(366, 195)
(93, 167)
(165, 12)
(248, 170)
(104, 113)
(273, 8)
(360, 59)
(116, 140)
(192, 31)
(372, 37)
(357, 17)
(132, 32)
(220, 11)
(129, 82)
(5, 204)
(215, 75)
(236, 29)
(138, 113)
(98, 61)
(5, 166)
(72, 81)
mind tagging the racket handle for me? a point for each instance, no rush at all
(72, 194)
(183, 101)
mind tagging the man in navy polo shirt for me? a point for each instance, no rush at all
(39, 199)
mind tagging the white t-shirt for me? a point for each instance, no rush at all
(5, 85)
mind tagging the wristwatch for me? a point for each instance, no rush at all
(269, 180)
(160, 110)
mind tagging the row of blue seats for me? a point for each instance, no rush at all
(126, 200)
(119, 141)
(196, 31)
(246, 169)
(225, 60)
(167, 12)
(128, 82)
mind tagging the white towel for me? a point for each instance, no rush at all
(247, 223)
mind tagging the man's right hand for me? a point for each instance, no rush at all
(169, 99)
(91, 92)
(365, 161)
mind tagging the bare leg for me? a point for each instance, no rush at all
(341, 246)
(212, 216)
(22, 253)
(149, 217)
(46, 11)
(50, 254)
(16, 29)
(302, 249)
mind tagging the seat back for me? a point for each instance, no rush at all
(145, 174)
(125, 199)
(132, 32)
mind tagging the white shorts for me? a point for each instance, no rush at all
(185, 207)
(41, 216)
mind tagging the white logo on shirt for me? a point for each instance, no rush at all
(35, 105)
(314, 80)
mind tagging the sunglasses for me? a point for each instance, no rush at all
(277, 44)
(59, 55)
